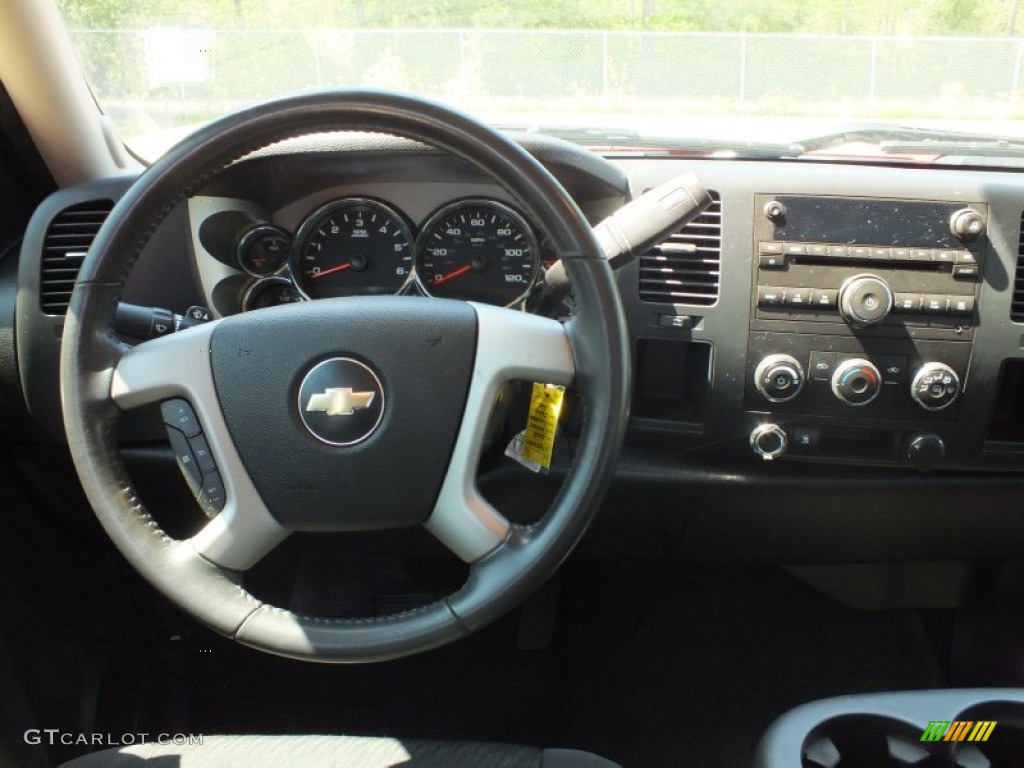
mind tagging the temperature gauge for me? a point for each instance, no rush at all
(263, 250)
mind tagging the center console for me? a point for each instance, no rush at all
(967, 728)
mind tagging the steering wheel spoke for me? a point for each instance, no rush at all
(510, 346)
(178, 366)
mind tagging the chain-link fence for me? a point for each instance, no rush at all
(180, 76)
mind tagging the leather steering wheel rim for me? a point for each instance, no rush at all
(100, 376)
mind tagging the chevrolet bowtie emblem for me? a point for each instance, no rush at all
(340, 401)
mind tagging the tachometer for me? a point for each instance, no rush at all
(354, 246)
(478, 250)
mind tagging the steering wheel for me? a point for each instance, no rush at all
(399, 446)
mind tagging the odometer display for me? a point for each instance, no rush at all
(477, 250)
(352, 247)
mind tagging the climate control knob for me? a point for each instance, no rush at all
(864, 300)
(856, 381)
(779, 378)
(935, 386)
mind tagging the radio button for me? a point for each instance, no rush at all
(817, 249)
(865, 300)
(824, 298)
(902, 254)
(966, 257)
(838, 251)
(935, 304)
(795, 249)
(966, 271)
(800, 298)
(880, 254)
(859, 252)
(764, 247)
(821, 365)
(920, 254)
(771, 261)
(908, 303)
(961, 305)
(945, 256)
(769, 298)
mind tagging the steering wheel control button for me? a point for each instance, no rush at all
(211, 494)
(865, 300)
(179, 414)
(769, 441)
(201, 452)
(856, 381)
(779, 378)
(186, 460)
(935, 386)
(341, 401)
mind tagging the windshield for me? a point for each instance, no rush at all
(904, 80)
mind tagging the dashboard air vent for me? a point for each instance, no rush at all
(685, 269)
(1017, 301)
(67, 240)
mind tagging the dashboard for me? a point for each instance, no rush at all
(839, 314)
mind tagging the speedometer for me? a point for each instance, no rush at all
(478, 250)
(354, 246)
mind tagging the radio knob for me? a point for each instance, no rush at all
(779, 378)
(935, 386)
(856, 381)
(864, 300)
(966, 224)
(769, 441)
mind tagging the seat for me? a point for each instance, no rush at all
(335, 752)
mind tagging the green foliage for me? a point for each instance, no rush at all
(874, 17)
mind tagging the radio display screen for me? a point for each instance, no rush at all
(866, 221)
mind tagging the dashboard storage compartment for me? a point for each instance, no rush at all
(673, 380)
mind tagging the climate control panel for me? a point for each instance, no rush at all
(884, 379)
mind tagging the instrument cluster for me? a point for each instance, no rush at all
(475, 249)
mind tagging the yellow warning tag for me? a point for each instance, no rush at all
(541, 423)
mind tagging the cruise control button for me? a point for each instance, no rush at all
(186, 461)
(201, 451)
(768, 298)
(961, 305)
(824, 298)
(179, 414)
(211, 496)
(771, 261)
(907, 303)
(821, 365)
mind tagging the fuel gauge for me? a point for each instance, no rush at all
(263, 250)
(271, 292)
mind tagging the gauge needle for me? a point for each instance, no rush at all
(450, 275)
(332, 270)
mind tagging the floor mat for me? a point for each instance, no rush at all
(713, 655)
